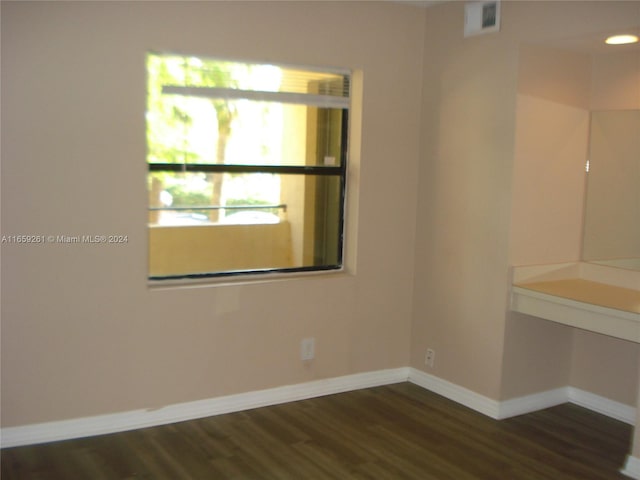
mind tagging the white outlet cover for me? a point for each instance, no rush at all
(307, 349)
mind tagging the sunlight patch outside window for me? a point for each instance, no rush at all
(247, 167)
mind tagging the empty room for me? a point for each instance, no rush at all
(320, 239)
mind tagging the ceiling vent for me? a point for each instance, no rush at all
(481, 17)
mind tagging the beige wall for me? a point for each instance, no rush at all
(615, 86)
(477, 206)
(551, 144)
(605, 366)
(555, 91)
(612, 204)
(552, 128)
(615, 80)
(464, 199)
(434, 185)
(82, 333)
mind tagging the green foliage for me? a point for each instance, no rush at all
(185, 191)
(251, 202)
(169, 120)
(183, 196)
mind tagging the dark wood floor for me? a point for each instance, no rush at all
(393, 432)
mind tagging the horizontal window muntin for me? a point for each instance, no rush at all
(288, 169)
(277, 119)
(200, 71)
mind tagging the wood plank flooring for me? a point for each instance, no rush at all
(386, 433)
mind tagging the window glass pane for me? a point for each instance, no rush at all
(171, 70)
(188, 129)
(300, 228)
(207, 198)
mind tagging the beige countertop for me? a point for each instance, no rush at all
(587, 291)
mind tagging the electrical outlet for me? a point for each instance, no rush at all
(430, 357)
(307, 349)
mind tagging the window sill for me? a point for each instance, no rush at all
(245, 279)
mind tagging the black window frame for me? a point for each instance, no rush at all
(337, 171)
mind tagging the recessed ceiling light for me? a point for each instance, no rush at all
(621, 39)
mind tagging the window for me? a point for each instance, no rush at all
(247, 167)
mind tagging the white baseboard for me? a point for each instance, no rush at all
(526, 404)
(532, 403)
(458, 394)
(603, 405)
(596, 403)
(119, 422)
(632, 467)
